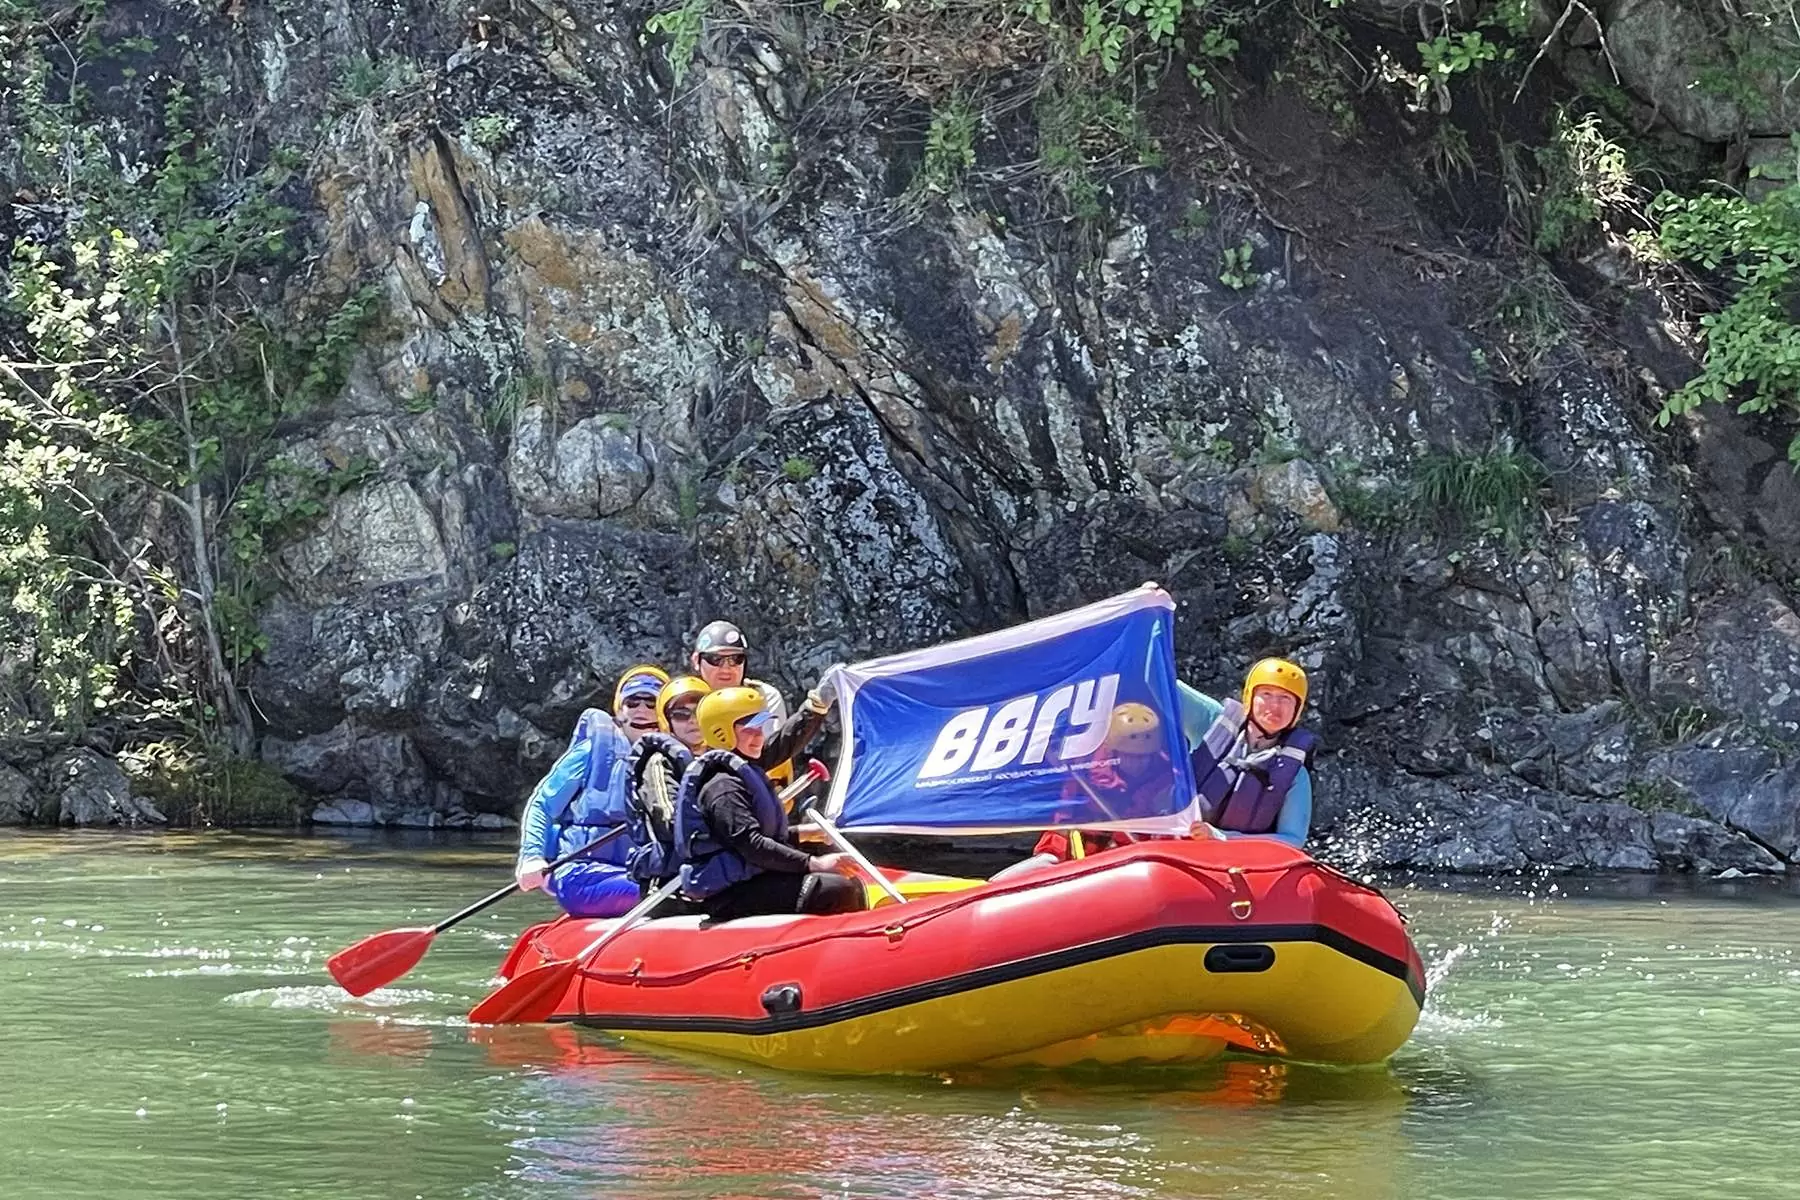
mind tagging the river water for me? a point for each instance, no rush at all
(167, 1030)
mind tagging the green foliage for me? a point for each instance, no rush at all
(799, 469)
(490, 131)
(1494, 493)
(1584, 175)
(1235, 271)
(1195, 220)
(1530, 319)
(503, 551)
(1372, 504)
(1682, 723)
(512, 397)
(1447, 153)
(1085, 133)
(949, 145)
(364, 80)
(138, 406)
(1753, 343)
(1660, 794)
(191, 784)
(1450, 54)
(683, 26)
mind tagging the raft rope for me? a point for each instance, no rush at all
(926, 912)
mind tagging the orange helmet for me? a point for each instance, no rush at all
(1135, 729)
(1277, 673)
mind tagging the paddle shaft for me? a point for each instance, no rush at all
(837, 839)
(489, 901)
(637, 913)
(669, 888)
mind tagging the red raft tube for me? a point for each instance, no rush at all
(1161, 951)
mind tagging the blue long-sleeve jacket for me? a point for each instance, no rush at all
(567, 809)
(1198, 712)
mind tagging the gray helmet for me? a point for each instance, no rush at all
(721, 635)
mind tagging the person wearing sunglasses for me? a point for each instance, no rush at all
(677, 710)
(634, 700)
(732, 848)
(721, 657)
(582, 797)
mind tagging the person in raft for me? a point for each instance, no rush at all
(1250, 763)
(731, 832)
(582, 797)
(1131, 773)
(721, 657)
(677, 710)
(1251, 757)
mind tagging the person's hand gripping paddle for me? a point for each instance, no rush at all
(532, 996)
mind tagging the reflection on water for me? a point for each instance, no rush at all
(170, 1025)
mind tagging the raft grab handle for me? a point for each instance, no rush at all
(1244, 957)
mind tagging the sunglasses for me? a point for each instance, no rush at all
(681, 714)
(722, 660)
(640, 702)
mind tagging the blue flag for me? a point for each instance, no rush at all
(1070, 721)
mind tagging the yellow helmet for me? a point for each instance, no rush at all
(720, 712)
(629, 681)
(675, 689)
(1135, 729)
(1277, 673)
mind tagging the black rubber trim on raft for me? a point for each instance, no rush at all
(1059, 960)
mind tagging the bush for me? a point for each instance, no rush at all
(199, 787)
(1753, 342)
(1493, 493)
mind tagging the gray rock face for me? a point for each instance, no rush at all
(1666, 52)
(1748, 788)
(665, 355)
(18, 802)
(350, 813)
(91, 790)
(593, 469)
(1379, 818)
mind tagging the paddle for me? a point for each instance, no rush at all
(381, 958)
(532, 996)
(856, 856)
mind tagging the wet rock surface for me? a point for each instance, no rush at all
(656, 355)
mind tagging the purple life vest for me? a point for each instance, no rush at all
(1244, 791)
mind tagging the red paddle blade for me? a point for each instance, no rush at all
(526, 999)
(383, 958)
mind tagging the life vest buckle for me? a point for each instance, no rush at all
(746, 961)
(895, 932)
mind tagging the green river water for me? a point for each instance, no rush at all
(168, 1031)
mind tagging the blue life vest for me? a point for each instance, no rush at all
(1244, 791)
(597, 804)
(652, 832)
(706, 866)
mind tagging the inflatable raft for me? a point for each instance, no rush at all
(1162, 951)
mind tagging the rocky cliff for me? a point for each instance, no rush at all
(700, 318)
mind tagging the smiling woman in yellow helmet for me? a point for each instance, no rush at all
(1250, 757)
